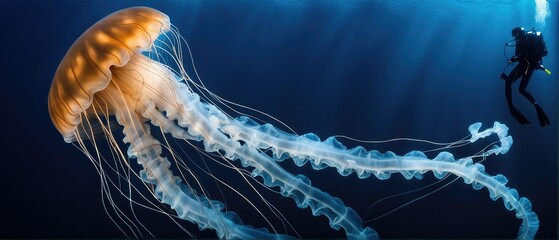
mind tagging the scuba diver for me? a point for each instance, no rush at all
(530, 49)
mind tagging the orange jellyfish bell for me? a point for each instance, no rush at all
(87, 66)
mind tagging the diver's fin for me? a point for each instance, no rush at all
(519, 116)
(542, 117)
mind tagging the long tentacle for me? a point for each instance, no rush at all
(331, 153)
(169, 189)
(244, 139)
(203, 122)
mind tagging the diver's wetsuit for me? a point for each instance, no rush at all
(529, 58)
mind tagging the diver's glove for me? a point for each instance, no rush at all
(513, 59)
(518, 115)
(542, 117)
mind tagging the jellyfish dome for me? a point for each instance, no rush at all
(128, 67)
(98, 57)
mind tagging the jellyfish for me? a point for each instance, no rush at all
(125, 75)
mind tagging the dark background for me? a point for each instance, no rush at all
(365, 69)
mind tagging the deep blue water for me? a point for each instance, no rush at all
(366, 69)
